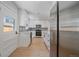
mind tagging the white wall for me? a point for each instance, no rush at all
(33, 23)
(8, 40)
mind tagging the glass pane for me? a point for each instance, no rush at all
(69, 28)
(9, 24)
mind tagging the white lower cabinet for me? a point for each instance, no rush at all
(24, 39)
(7, 47)
(47, 39)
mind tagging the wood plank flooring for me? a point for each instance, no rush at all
(37, 49)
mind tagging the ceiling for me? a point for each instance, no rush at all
(40, 9)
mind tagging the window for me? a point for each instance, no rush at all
(9, 24)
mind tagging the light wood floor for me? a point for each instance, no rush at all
(37, 49)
